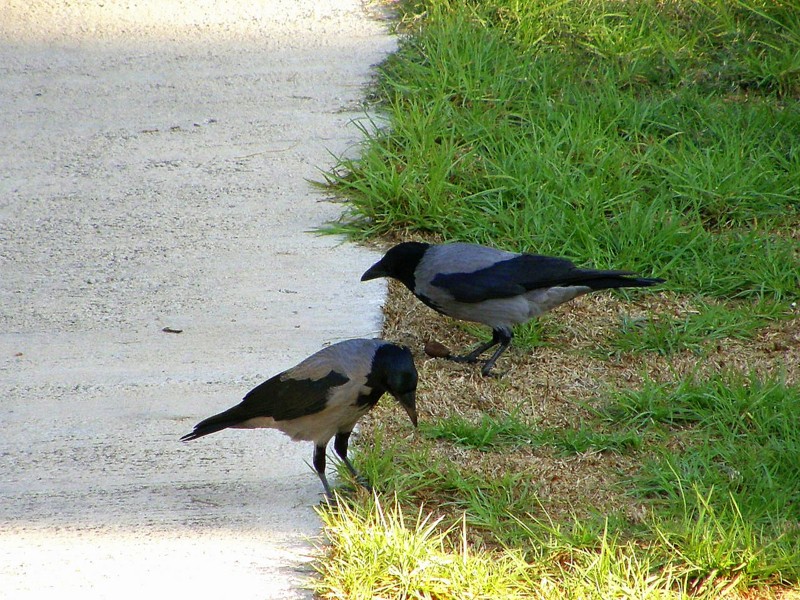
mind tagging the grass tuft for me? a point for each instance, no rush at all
(373, 553)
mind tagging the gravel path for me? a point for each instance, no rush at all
(153, 172)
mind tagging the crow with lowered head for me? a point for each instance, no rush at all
(324, 396)
(494, 287)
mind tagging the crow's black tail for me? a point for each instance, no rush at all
(605, 280)
(211, 425)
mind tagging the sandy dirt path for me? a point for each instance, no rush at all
(153, 165)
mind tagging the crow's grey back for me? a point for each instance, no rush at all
(351, 358)
(458, 258)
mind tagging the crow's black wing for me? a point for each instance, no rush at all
(278, 398)
(508, 278)
(283, 397)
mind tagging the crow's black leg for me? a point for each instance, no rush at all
(340, 445)
(319, 467)
(503, 337)
(472, 357)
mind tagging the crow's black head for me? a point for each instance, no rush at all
(399, 263)
(393, 371)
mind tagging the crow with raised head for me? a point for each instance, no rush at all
(324, 396)
(494, 287)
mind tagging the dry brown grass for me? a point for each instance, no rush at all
(552, 386)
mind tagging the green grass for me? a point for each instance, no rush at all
(722, 507)
(377, 552)
(487, 504)
(658, 160)
(743, 438)
(706, 325)
(509, 431)
(660, 137)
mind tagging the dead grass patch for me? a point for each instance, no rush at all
(556, 385)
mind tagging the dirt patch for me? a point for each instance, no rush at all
(555, 386)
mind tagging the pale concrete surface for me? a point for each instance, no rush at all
(153, 165)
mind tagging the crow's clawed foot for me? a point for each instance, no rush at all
(364, 483)
(486, 370)
(462, 359)
(500, 338)
(345, 492)
(490, 371)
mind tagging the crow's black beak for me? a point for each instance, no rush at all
(374, 272)
(409, 402)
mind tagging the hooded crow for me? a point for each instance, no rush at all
(497, 288)
(324, 396)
